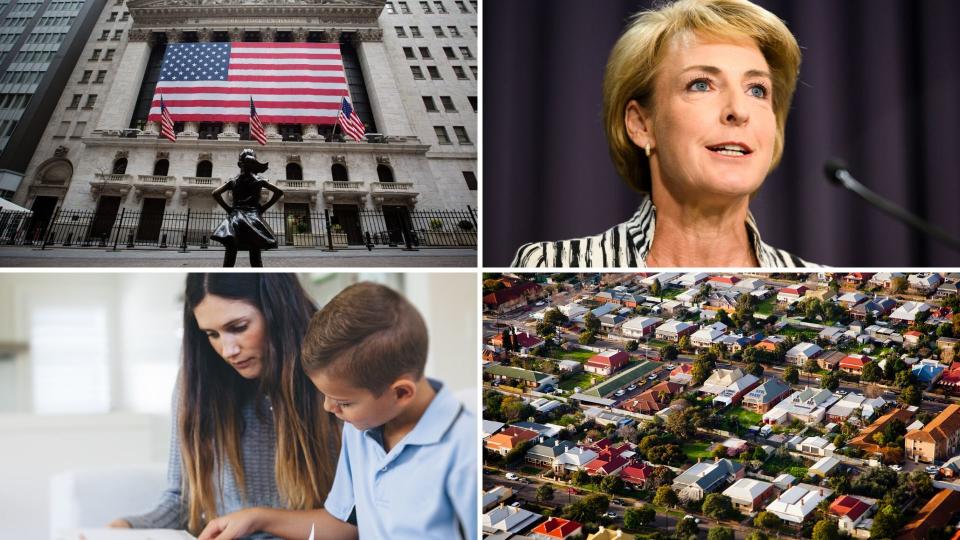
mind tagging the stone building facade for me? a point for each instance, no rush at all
(100, 152)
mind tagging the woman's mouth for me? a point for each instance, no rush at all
(731, 149)
(242, 365)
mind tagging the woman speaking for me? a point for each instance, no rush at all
(696, 97)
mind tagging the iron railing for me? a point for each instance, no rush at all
(391, 226)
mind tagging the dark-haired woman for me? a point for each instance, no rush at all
(250, 429)
(244, 228)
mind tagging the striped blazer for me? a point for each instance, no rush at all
(626, 246)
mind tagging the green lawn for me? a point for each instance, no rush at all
(745, 417)
(800, 333)
(578, 355)
(696, 450)
(766, 307)
(672, 292)
(583, 380)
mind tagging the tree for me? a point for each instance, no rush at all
(665, 496)
(667, 454)
(633, 345)
(687, 528)
(580, 477)
(724, 317)
(656, 289)
(635, 518)
(680, 425)
(669, 353)
(767, 520)
(546, 331)
(902, 379)
(586, 337)
(755, 369)
(611, 484)
(555, 317)
(661, 476)
(717, 506)
(898, 284)
(886, 523)
(513, 409)
(757, 535)
(811, 365)
(591, 322)
(719, 533)
(791, 375)
(910, 395)
(826, 529)
(871, 372)
(830, 381)
(544, 492)
(684, 343)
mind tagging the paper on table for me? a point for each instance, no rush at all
(125, 534)
(312, 526)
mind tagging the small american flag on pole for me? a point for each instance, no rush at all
(349, 121)
(256, 126)
(166, 122)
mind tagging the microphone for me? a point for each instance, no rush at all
(838, 174)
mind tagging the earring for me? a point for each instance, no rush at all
(646, 149)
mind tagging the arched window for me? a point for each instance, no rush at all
(384, 173)
(204, 169)
(120, 166)
(340, 173)
(294, 171)
(161, 167)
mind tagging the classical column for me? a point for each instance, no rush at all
(385, 101)
(271, 132)
(229, 131)
(189, 131)
(310, 132)
(125, 88)
(299, 35)
(204, 35)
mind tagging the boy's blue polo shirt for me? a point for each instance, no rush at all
(425, 487)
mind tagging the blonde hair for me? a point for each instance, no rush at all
(632, 67)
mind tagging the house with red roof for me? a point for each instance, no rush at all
(509, 438)
(850, 511)
(853, 363)
(655, 399)
(855, 279)
(606, 362)
(525, 341)
(610, 460)
(723, 282)
(554, 528)
(682, 374)
(911, 339)
(951, 377)
(637, 474)
(791, 293)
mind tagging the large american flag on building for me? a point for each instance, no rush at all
(292, 83)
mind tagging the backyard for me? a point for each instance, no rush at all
(696, 450)
(583, 380)
(744, 417)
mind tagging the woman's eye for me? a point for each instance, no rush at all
(758, 91)
(699, 86)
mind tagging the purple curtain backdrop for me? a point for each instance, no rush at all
(879, 86)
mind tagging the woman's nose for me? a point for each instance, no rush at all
(329, 405)
(229, 348)
(735, 109)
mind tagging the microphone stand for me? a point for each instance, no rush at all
(838, 174)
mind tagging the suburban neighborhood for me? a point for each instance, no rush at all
(720, 406)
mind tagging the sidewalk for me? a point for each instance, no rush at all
(30, 257)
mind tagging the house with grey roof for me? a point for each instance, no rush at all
(706, 477)
(762, 398)
(546, 452)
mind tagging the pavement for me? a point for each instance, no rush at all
(30, 257)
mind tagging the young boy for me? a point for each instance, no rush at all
(408, 460)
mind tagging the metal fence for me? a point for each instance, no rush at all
(390, 227)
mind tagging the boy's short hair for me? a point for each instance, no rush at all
(369, 334)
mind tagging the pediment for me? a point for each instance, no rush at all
(186, 14)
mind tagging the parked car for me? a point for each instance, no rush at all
(695, 519)
(897, 468)
(611, 514)
(619, 393)
(617, 501)
(515, 504)
(512, 476)
(632, 387)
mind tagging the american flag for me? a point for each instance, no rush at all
(294, 83)
(256, 126)
(349, 121)
(166, 123)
